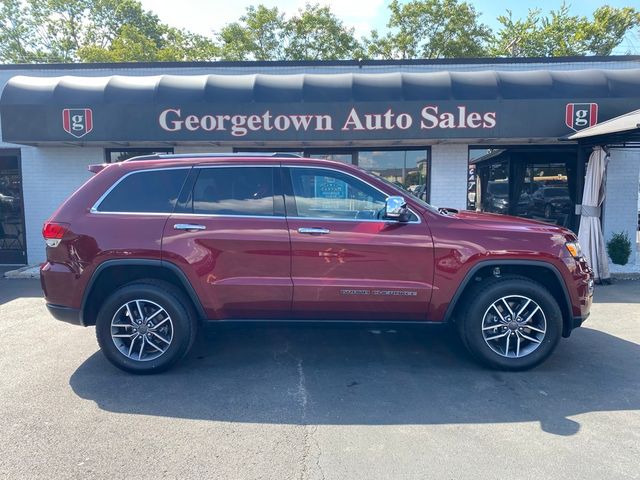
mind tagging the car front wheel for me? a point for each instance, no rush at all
(511, 323)
(145, 327)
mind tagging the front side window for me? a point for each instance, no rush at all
(233, 191)
(321, 193)
(154, 191)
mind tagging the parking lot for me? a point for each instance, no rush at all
(283, 402)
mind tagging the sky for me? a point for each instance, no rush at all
(206, 16)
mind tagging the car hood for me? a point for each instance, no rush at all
(494, 221)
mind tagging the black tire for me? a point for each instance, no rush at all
(479, 301)
(173, 301)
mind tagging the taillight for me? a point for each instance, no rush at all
(53, 232)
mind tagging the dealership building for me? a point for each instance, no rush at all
(484, 134)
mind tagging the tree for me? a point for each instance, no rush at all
(258, 35)
(317, 34)
(92, 30)
(262, 33)
(560, 33)
(430, 29)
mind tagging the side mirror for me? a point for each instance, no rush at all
(396, 209)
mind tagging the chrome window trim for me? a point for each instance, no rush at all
(230, 165)
(223, 215)
(94, 208)
(96, 205)
(349, 219)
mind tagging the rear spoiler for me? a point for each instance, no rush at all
(98, 167)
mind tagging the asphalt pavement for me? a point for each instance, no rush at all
(279, 402)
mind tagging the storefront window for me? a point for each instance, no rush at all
(544, 194)
(338, 157)
(538, 184)
(114, 155)
(494, 196)
(12, 241)
(408, 169)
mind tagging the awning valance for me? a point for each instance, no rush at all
(309, 107)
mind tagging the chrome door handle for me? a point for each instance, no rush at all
(188, 227)
(314, 231)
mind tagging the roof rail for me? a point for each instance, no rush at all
(174, 156)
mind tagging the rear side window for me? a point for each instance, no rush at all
(146, 192)
(233, 191)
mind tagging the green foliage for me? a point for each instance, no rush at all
(317, 34)
(262, 33)
(258, 35)
(430, 29)
(619, 248)
(46, 31)
(92, 30)
(561, 33)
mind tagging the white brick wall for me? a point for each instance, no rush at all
(621, 201)
(201, 149)
(449, 175)
(49, 176)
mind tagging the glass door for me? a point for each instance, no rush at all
(13, 249)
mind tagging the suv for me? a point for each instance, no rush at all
(150, 249)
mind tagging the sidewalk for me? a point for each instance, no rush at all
(29, 271)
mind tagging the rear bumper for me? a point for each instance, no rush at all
(65, 314)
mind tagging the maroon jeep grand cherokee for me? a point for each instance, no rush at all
(150, 248)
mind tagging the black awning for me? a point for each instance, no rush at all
(304, 107)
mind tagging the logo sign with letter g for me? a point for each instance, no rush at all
(581, 115)
(77, 121)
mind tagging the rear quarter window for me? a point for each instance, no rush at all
(153, 191)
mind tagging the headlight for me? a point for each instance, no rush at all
(574, 249)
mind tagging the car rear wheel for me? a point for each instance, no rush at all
(511, 323)
(145, 327)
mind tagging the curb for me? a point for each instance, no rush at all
(28, 272)
(626, 276)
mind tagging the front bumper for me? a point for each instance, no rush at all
(65, 314)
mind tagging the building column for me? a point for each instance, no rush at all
(449, 165)
(621, 195)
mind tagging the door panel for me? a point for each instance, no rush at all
(239, 267)
(355, 269)
(237, 256)
(361, 270)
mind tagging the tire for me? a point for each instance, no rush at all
(510, 345)
(158, 343)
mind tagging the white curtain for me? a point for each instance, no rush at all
(590, 231)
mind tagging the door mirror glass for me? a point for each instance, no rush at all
(396, 209)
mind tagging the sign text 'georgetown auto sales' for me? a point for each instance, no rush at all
(240, 125)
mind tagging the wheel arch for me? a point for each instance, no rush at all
(540, 271)
(112, 274)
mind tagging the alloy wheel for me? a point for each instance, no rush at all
(514, 326)
(142, 330)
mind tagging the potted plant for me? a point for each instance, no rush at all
(619, 248)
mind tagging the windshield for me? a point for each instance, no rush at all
(403, 191)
